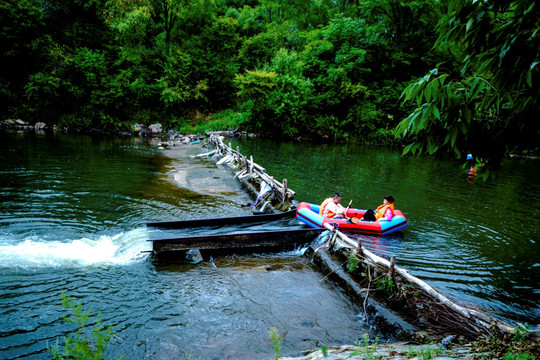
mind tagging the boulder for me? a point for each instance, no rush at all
(194, 256)
(137, 128)
(40, 126)
(155, 128)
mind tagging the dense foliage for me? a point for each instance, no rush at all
(484, 101)
(298, 68)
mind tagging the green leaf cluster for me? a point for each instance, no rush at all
(484, 100)
(466, 71)
(84, 343)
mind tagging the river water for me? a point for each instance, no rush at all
(73, 213)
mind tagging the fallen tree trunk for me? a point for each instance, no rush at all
(448, 314)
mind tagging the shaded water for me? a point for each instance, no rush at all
(72, 218)
(478, 242)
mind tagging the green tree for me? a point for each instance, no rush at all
(22, 35)
(167, 14)
(215, 60)
(491, 107)
(258, 50)
(141, 62)
(334, 60)
(291, 97)
(131, 24)
(253, 90)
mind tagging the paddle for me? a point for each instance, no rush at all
(347, 209)
(354, 220)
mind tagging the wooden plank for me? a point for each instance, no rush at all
(235, 220)
(248, 239)
(241, 243)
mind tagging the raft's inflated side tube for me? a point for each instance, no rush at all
(309, 215)
(397, 223)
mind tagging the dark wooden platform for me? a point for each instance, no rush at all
(175, 249)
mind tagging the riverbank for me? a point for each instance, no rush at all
(515, 347)
(391, 351)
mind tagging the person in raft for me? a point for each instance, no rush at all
(332, 208)
(383, 212)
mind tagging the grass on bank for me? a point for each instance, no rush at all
(90, 342)
(86, 343)
(220, 121)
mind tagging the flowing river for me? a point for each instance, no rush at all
(72, 218)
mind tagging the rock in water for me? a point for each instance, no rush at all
(194, 256)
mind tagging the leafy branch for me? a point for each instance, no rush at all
(85, 343)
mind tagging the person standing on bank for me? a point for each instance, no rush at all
(332, 208)
(383, 212)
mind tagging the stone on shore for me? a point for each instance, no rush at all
(394, 351)
(155, 128)
(40, 126)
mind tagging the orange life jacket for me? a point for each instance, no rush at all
(323, 205)
(381, 210)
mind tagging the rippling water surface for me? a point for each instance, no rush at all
(478, 242)
(72, 218)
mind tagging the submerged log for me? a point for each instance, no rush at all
(234, 220)
(175, 249)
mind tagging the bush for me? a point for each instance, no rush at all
(83, 344)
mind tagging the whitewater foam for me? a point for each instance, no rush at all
(119, 249)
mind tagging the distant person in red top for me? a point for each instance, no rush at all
(332, 208)
(383, 212)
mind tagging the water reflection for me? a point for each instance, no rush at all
(73, 219)
(476, 241)
(383, 246)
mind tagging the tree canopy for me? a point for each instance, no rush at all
(484, 101)
(466, 71)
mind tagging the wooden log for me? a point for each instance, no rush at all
(215, 222)
(392, 264)
(484, 320)
(239, 243)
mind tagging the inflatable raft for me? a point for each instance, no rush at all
(309, 215)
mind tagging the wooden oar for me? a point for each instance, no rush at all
(354, 220)
(347, 209)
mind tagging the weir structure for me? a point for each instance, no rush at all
(270, 195)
